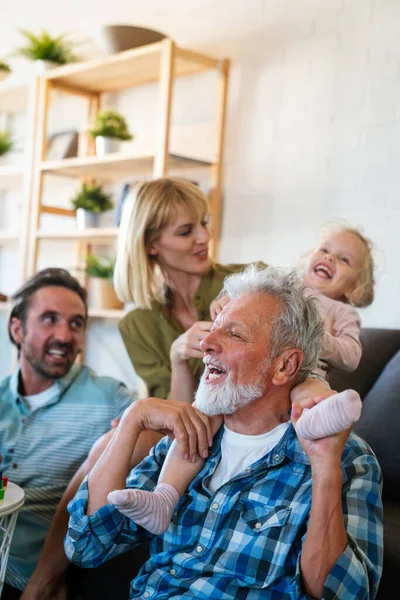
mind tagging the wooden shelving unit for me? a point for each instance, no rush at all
(161, 62)
(19, 96)
(120, 166)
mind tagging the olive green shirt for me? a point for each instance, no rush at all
(149, 334)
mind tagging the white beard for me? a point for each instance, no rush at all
(226, 398)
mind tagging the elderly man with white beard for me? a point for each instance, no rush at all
(270, 515)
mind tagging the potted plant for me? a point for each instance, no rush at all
(89, 202)
(109, 129)
(101, 289)
(5, 70)
(6, 142)
(45, 50)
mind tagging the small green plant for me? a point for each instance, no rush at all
(6, 142)
(96, 267)
(92, 198)
(45, 47)
(110, 124)
(5, 67)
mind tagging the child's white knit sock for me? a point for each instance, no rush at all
(330, 416)
(152, 510)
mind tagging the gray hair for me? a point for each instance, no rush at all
(298, 325)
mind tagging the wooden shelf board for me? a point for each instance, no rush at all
(119, 165)
(93, 233)
(14, 95)
(106, 313)
(126, 69)
(11, 176)
(8, 237)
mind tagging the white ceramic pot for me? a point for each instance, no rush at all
(106, 145)
(41, 66)
(86, 219)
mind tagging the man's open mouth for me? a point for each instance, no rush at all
(214, 371)
(57, 353)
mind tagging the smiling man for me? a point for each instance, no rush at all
(51, 413)
(269, 515)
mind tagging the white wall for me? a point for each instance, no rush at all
(313, 126)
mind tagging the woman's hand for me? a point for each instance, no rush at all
(187, 345)
(218, 304)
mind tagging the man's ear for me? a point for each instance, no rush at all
(16, 330)
(287, 366)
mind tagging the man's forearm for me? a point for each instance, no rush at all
(53, 562)
(326, 537)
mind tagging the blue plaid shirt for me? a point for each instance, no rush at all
(244, 541)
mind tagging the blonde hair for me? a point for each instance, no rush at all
(363, 293)
(137, 277)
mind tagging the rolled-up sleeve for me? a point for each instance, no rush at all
(357, 572)
(91, 540)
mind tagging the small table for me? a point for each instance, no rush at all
(9, 508)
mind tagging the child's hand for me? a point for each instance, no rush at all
(217, 305)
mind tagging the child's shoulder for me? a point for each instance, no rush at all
(337, 308)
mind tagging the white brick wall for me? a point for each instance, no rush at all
(314, 116)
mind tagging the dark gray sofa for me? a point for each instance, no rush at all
(377, 380)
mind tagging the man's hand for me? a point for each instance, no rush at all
(179, 420)
(218, 304)
(187, 345)
(51, 590)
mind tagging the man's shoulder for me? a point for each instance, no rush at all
(87, 379)
(88, 374)
(355, 448)
(6, 385)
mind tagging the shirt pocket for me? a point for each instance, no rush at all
(257, 552)
(260, 518)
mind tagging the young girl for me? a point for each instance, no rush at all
(340, 273)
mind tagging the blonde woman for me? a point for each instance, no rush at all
(163, 267)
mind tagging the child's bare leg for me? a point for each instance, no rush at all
(153, 510)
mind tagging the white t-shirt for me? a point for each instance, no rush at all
(38, 400)
(238, 451)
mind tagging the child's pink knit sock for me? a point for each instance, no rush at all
(330, 416)
(152, 510)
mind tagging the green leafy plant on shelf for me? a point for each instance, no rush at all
(45, 47)
(110, 124)
(4, 67)
(93, 199)
(6, 142)
(99, 267)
